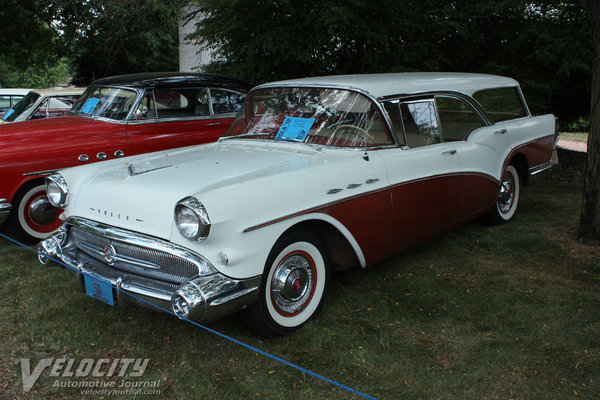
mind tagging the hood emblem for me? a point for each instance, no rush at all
(110, 254)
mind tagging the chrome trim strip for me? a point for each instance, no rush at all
(47, 172)
(137, 239)
(542, 167)
(180, 119)
(5, 208)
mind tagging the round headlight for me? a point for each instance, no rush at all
(57, 191)
(191, 219)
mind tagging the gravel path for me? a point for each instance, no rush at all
(573, 146)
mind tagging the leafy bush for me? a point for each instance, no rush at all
(581, 124)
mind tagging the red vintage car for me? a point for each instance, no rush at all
(115, 117)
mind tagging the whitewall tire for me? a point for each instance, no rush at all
(293, 286)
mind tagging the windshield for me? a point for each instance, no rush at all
(332, 117)
(26, 103)
(106, 102)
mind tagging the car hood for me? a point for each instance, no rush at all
(31, 132)
(230, 178)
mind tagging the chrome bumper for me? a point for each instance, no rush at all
(5, 208)
(200, 299)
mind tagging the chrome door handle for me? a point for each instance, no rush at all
(451, 152)
(214, 124)
(501, 131)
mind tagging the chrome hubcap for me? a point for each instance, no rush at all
(292, 283)
(507, 193)
(41, 211)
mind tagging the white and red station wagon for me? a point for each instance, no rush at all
(313, 175)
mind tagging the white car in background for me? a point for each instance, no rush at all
(9, 97)
(43, 103)
(313, 175)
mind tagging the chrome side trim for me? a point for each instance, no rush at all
(5, 208)
(544, 166)
(177, 119)
(47, 172)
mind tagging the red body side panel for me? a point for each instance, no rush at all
(55, 143)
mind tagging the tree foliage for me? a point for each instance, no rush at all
(110, 37)
(32, 50)
(541, 43)
(99, 37)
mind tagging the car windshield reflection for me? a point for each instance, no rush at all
(106, 102)
(330, 117)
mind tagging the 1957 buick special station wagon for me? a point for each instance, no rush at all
(313, 175)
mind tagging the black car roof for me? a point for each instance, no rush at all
(172, 80)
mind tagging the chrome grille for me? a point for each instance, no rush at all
(134, 259)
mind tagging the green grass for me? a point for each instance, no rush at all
(479, 312)
(574, 136)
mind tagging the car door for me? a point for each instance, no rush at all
(178, 117)
(480, 149)
(424, 174)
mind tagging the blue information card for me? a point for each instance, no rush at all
(295, 128)
(8, 113)
(89, 106)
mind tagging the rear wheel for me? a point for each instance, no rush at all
(508, 198)
(293, 286)
(32, 218)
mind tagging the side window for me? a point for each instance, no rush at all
(4, 103)
(457, 118)
(225, 101)
(202, 107)
(147, 108)
(393, 110)
(501, 104)
(60, 105)
(41, 111)
(15, 100)
(420, 123)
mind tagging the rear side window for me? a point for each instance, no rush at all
(501, 104)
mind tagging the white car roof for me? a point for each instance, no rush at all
(13, 91)
(382, 85)
(58, 91)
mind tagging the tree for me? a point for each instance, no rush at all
(589, 225)
(32, 50)
(110, 37)
(541, 43)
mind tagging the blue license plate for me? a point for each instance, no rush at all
(99, 289)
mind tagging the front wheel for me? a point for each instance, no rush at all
(293, 286)
(508, 198)
(32, 218)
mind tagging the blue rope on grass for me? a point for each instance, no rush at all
(249, 347)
